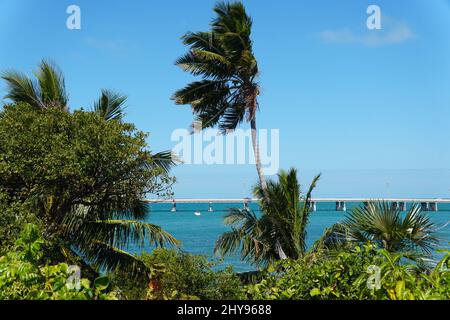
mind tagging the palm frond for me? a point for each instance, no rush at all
(198, 90)
(20, 88)
(232, 116)
(202, 41)
(121, 233)
(382, 223)
(107, 258)
(48, 91)
(198, 65)
(335, 238)
(110, 105)
(164, 160)
(52, 85)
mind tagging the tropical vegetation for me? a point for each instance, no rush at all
(384, 224)
(73, 185)
(24, 276)
(83, 176)
(280, 231)
(179, 275)
(361, 273)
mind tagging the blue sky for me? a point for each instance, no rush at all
(368, 109)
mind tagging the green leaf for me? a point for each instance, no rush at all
(315, 292)
(101, 283)
(85, 283)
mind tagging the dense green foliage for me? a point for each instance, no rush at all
(350, 275)
(83, 178)
(24, 277)
(280, 232)
(179, 275)
(13, 217)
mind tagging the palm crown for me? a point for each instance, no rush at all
(383, 224)
(224, 58)
(48, 90)
(228, 92)
(280, 231)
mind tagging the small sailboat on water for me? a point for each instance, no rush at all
(197, 213)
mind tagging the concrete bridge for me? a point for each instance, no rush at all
(341, 203)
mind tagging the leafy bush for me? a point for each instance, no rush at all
(316, 276)
(350, 275)
(399, 281)
(22, 278)
(13, 217)
(179, 275)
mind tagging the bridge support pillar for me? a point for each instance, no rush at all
(312, 206)
(424, 206)
(402, 206)
(395, 205)
(341, 206)
(433, 206)
(210, 209)
(174, 206)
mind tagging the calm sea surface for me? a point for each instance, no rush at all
(199, 233)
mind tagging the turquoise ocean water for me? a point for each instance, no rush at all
(199, 233)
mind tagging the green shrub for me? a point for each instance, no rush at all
(179, 275)
(316, 276)
(400, 281)
(23, 278)
(13, 217)
(350, 275)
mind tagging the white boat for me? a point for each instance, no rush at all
(197, 213)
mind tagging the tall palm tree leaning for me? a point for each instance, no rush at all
(228, 92)
(95, 238)
(280, 232)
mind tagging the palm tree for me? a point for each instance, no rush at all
(280, 232)
(48, 90)
(385, 225)
(93, 231)
(228, 92)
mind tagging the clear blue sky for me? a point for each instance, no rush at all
(368, 109)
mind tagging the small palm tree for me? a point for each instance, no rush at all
(385, 225)
(48, 90)
(95, 232)
(223, 56)
(280, 232)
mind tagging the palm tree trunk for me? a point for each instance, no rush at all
(259, 169)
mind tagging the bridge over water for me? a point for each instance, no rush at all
(341, 203)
